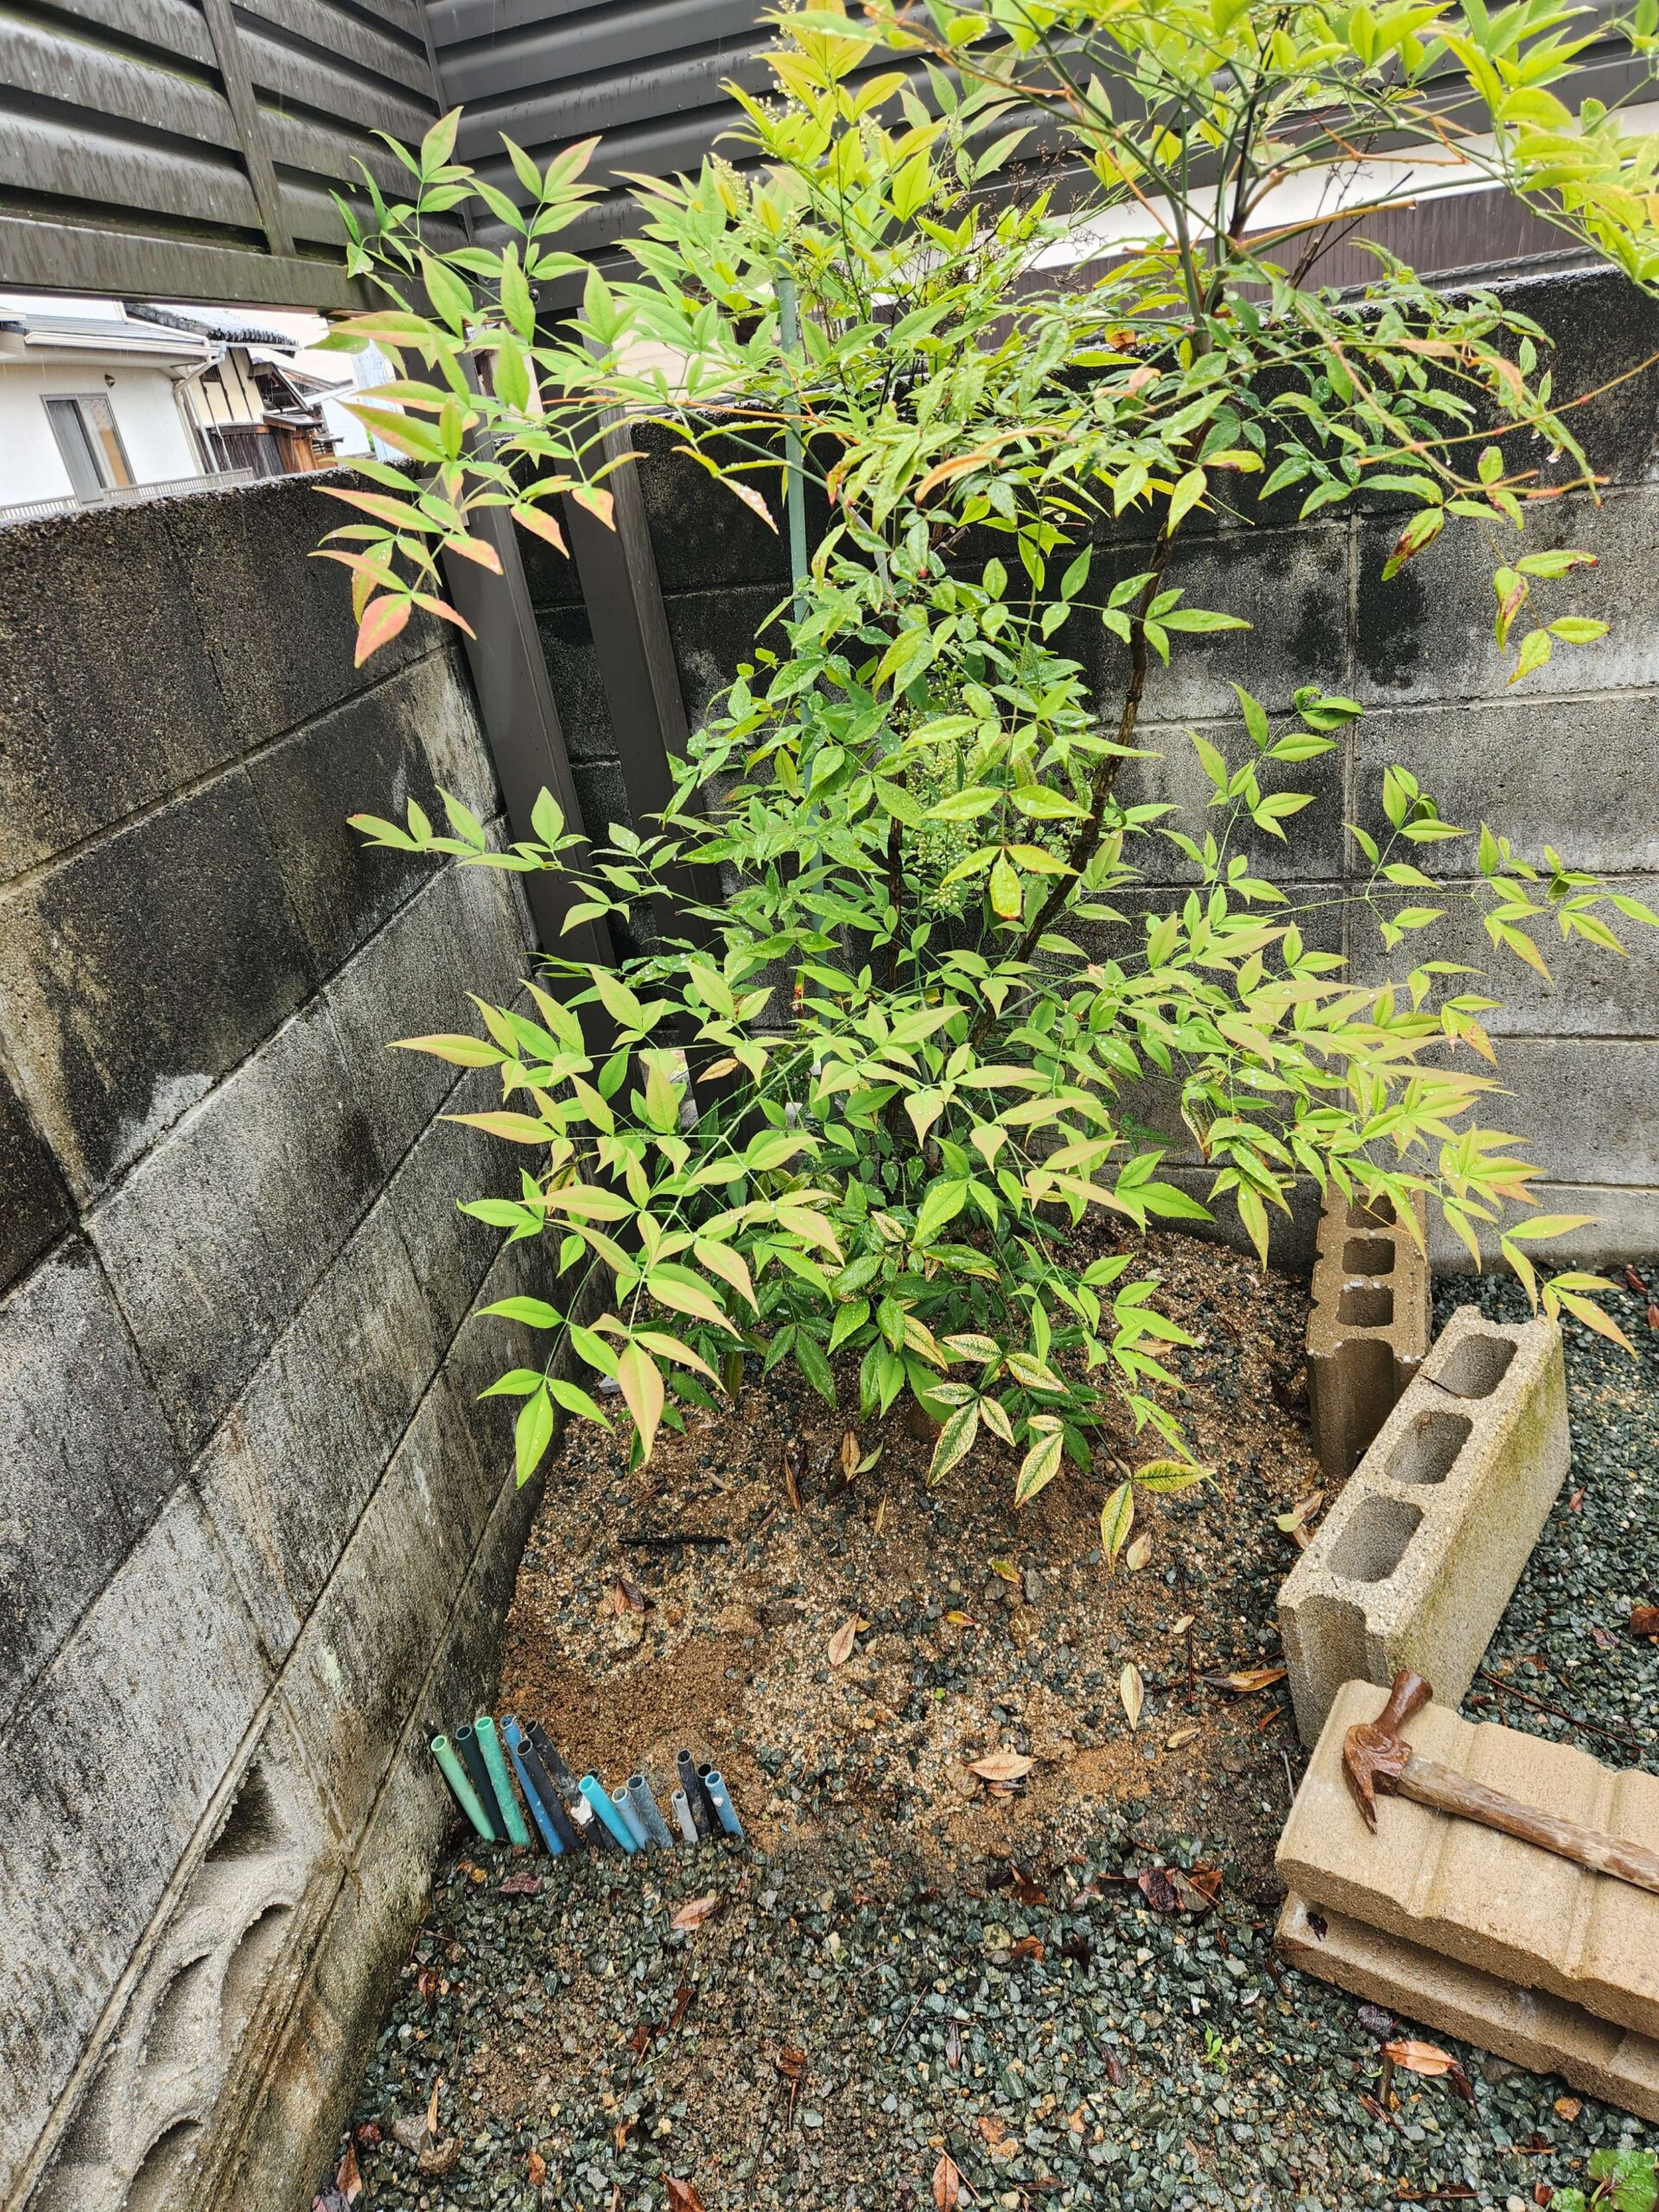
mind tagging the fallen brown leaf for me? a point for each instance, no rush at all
(1116, 2072)
(1181, 1736)
(841, 1642)
(522, 1884)
(957, 1618)
(953, 2047)
(683, 1997)
(639, 2041)
(993, 2129)
(537, 2169)
(699, 1909)
(432, 2107)
(1653, 1316)
(1198, 1891)
(794, 1467)
(1634, 1282)
(628, 1596)
(1247, 1680)
(1575, 1503)
(1644, 1620)
(1429, 2059)
(347, 2179)
(1159, 1892)
(622, 2132)
(683, 2197)
(1029, 1947)
(1001, 1766)
(1133, 1691)
(1138, 1554)
(850, 1454)
(1567, 2108)
(1026, 1890)
(947, 2185)
(791, 2062)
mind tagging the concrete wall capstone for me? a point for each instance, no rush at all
(256, 1537)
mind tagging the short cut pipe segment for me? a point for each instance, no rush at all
(594, 1790)
(696, 1796)
(554, 1763)
(472, 1757)
(552, 1804)
(630, 1820)
(723, 1807)
(501, 1779)
(461, 1787)
(688, 1826)
(705, 1768)
(512, 1736)
(648, 1812)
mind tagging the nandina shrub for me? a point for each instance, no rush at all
(921, 1019)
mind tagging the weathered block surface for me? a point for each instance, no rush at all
(1416, 1562)
(1464, 1892)
(1523, 2026)
(1369, 1327)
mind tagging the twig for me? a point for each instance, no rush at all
(903, 2024)
(667, 1544)
(1290, 1783)
(1560, 1713)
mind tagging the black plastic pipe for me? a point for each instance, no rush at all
(464, 1740)
(536, 1773)
(554, 1765)
(703, 1815)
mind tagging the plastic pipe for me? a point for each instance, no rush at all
(705, 1768)
(512, 1736)
(688, 1826)
(630, 1820)
(461, 1789)
(556, 1766)
(530, 1770)
(500, 1778)
(594, 1790)
(472, 1757)
(729, 1819)
(648, 1812)
(696, 1796)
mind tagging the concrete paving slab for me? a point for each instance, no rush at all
(1468, 1894)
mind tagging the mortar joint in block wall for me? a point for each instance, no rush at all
(1369, 1327)
(1417, 1559)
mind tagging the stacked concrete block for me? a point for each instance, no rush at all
(1369, 1326)
(1416, 1562)
(256, 1533)
(1455, 1924)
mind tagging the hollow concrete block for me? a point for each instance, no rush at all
(1468, 1894)
(1369, 1328)
(1523, 2026)
(1417, 1559)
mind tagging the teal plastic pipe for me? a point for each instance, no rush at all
(465, 1795)
(501, 1779)
(594, 1790)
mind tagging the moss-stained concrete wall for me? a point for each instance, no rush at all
(1571, 758)
(255, 1535)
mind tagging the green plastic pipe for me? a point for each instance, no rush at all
(501, 1779)
(465, 1795)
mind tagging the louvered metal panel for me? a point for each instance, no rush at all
(187, 147)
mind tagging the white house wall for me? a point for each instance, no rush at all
(145, 412)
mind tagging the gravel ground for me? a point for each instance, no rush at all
(877, 1989)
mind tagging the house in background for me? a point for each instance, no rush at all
(104, 401)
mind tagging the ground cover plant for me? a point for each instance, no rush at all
(925, 1016)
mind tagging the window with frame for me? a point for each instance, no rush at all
(88, 439)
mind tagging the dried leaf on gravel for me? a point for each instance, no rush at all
(841, 1642)
(791, 2062)
(1429, 2059)
(626, 1596)
(1002, 1767)
(1116, 2072)
(522, 1884)
(1138, 1554)
(1377, 2024)
(1005, 1567)
(699, 1909)
(537, 2169)
(1133, 1691)
(1644, 1620)
(947, 2185)
(1247, 1680)
(993, 2129)
(1154, 1884)
(793, 1468)
(1634, 1281)
(432, 2106)
(1181, 1736)
(1029, 1947)
(1026, 1891)
(347, 2180)
(1567, 2108)
(1198, 1891)
(1653, 1317)
(953, 2047)
(681, 2197)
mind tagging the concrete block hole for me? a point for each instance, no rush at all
(1368, 1255)
(1374, 1542)
(1365, 1306)
(1475, 1367)
(1428, 1451)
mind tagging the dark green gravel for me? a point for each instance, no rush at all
(1149, 2061)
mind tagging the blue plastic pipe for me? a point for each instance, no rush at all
(512, 1736)
(722, 1803)
(500, 1778)
(540, 1790)
(594, 1790)
(630, 1820)
(648, 1812)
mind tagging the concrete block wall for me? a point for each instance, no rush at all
(1570, 757)
(255, 1533)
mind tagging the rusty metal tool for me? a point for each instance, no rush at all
(1376, 1757)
